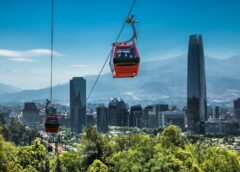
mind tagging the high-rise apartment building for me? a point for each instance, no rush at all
(102, 119)
(118, 112)
(135, 113)
(30, 113)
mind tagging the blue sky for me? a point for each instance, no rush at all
(84, 31)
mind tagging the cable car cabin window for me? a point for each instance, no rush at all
(126, 56)
(52, 122)
(125, 53)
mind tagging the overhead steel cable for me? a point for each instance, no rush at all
(51, 75)
(118, 36)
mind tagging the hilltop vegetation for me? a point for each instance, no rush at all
(168, 151)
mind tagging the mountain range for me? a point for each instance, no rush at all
(159, 79)
(4, 88)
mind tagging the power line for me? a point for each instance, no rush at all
(119, 34)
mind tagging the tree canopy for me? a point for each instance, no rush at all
(136, 152)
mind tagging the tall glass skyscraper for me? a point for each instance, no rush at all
(77, 104)
(196, 85)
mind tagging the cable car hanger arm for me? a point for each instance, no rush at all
(133, 39)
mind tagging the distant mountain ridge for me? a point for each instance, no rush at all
(157, 79)
(4, 88)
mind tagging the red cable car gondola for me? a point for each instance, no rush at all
(52, 124)
(125, 61)
(52, 121)
(125, 58)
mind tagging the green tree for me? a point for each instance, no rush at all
(141, 142)
(171, 136)
(7, 152)
(32, 156)
(93, 146)
(97, 166)
(70, 161)
(126, 160)
(220, 159)
(30, 168)
(172, 159)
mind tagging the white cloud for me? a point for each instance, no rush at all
(9, 53)
(43, 52)
(27, 55)
(21, 59)
(78, 65)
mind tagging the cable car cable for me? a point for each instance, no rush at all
(118, 36)
(51, 113)
(51, 75)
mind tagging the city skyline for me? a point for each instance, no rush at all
(25, 36)
(119, 85)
